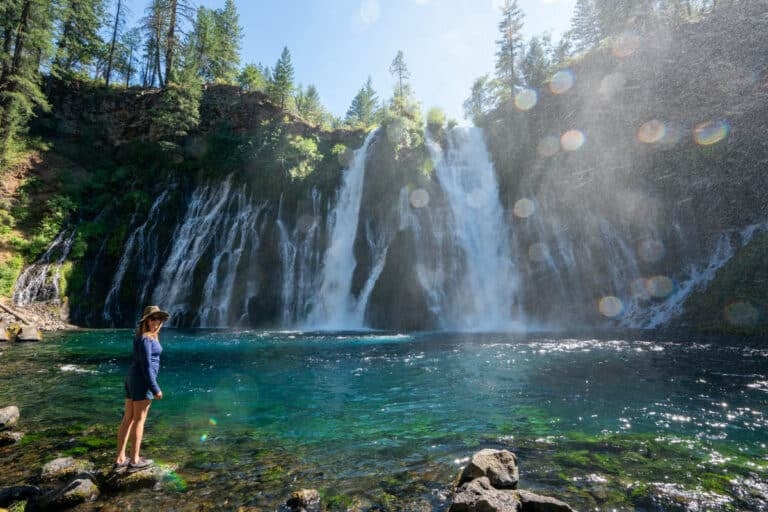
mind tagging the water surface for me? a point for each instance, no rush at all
(387, 420)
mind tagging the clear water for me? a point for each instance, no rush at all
(388, 420)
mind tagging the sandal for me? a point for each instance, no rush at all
(119, 466)
(142, 464)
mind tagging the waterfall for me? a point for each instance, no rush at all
(40, 281)
(219, 239)
(483, 295)
(335, 306)
(141, 247)
(299, 262)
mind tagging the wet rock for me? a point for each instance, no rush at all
(8, 437)
(8, 416)
(499, 466)
(78, 490)
(10, 495)
(151, 477)
(64, 467)
(479, 495)
(537, 503)
(29, 333)
(304, 500)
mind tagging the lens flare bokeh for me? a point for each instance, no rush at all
(524, 208)
(561, 81)
(526, 99)
(610, 306)
(419, 198)
(572, 140)
(651, 132)
(710, 132)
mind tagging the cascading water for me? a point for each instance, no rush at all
(483, 296)
(335, 307)
(41, 280)
(141, 247)
(218, 238)
(299, 262)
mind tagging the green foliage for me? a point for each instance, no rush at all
(252, 78)
(78, 44)
(304, 152)
(212, 47)
(436, 123)
(9, 272)
(179, 109)
(308, 104)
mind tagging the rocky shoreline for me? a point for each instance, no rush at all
(488, 483)
(46, 316)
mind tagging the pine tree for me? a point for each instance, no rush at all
(79, 44)
(228, 34)
(362, 111)
(480, 100)
(26, 36)
(117, 25)
(399, 70)
(536, 64)
(129, 45)
(510, 27)
(281, 84)
(585, 26)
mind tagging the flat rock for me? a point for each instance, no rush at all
(536, 503)
(64, 467)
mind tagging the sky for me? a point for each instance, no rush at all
(336, 45)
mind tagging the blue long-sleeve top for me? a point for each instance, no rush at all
(146, 361)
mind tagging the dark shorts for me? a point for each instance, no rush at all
(136, 388)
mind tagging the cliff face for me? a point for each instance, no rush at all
(634, 193)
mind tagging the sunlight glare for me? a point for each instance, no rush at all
(572, 140)
(561, 81)
(650, 250)
(419, 198)
(524, 208)
(651, 132)
(610, 306)
(526, 99)
(710, 132)
(659, 286)
(370, 10)
(741, 314)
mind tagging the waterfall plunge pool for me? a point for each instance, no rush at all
(625, 422)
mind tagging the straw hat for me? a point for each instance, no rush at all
(154, 310)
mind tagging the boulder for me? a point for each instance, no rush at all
(8, 416)
(10, 495)
(7, 437)
(5, 334)
(151, 477)
(479, 495)
(29, 333)
(304, 500)
(78, 490)
(499, 466)
(64, 467)
(537, 503)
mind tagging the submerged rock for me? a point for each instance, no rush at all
(10, 495)
(304, 500)
(9, 416)
(29, 333)
(478, 495)
(150, 477)
(64, 467)
(78, 490)
(8, 437)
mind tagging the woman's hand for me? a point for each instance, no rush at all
(159, 395)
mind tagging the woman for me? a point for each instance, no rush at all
(140, 388)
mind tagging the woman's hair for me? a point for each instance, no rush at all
(142, 328)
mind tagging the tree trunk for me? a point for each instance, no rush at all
(111, 54)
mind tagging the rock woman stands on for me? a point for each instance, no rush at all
(140, 388)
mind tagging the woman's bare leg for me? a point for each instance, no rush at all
(122, 432)
(140, 411)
